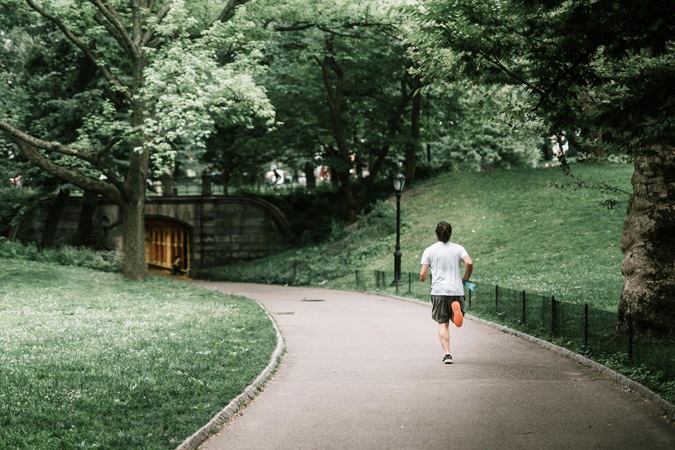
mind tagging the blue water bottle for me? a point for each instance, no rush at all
(469, 285)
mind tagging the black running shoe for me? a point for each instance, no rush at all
(447, 359)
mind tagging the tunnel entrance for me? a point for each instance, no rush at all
(167, 246)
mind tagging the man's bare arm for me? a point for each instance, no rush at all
(424, 273)
(468, 268)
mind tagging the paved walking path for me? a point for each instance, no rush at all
(363, 371)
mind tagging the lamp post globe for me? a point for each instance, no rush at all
(399, 183)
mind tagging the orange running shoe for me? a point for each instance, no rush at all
(457, 316)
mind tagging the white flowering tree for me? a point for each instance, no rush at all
(146, 80)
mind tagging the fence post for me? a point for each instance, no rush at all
(554, 316)
(497, 298)
(356, 275)
(586, 324)
(469, 298)
(377, 279)
(630, 336)
(524, 310)
(410, 277)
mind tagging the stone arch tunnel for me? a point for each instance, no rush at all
(188, 233)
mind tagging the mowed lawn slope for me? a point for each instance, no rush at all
(89, 360)
(522, 232)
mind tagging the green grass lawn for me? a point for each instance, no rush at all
(524, 234)
(89, 360)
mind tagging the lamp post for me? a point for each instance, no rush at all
(399, 182)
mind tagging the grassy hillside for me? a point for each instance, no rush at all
(524, 234)
(521, 232)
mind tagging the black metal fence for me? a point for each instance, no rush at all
(580, 327)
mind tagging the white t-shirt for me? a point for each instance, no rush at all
(444, 260)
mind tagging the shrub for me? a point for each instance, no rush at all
(17, 206)
(106, 261)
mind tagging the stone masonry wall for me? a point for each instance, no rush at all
(222, 229)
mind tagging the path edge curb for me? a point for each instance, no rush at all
(667, 408)
(242, 400)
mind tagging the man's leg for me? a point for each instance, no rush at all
(444, 336)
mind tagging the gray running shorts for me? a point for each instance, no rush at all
(441, 307)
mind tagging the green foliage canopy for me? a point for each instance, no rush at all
(602, 67)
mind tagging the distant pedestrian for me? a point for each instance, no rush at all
(17, 181)
(444, 258)
(176, 265)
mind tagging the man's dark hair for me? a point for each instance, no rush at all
(443, 231)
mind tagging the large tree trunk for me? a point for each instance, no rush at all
(133, 207)
(341, 157)
(54, 217)
(133, 235)
(415, 129)
(352, 202)
(648, 243)
(309, 175)
(84, 234)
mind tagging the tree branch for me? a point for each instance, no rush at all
(28, 145)
(161, 14)
(544, 95)
(115, 140)
(16, 134)
(495, 62)
(301, 26)
(228, 11)
(79, 44)
(328, 30)
(117, 29)
(112, 31)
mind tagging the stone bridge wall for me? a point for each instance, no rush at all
(222, 229)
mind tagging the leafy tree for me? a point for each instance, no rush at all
(347, 95)
(465, 128)
(150, 83)
(601, 72)
(338, 75)
(16, 209)
(22, 55)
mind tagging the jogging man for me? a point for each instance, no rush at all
(447, 292)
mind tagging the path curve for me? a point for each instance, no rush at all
(363, 371)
